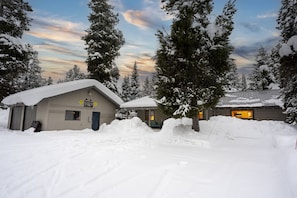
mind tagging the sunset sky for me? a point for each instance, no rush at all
(58, 26)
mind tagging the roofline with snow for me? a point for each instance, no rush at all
(34, 96)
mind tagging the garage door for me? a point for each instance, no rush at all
(30, 116)
(16, 118)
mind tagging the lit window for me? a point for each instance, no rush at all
(244, 114)
(200, 115)
(72, 115)
(152, 115)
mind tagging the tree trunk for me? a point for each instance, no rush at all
(196, 126)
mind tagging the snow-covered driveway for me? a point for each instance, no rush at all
(230, 158)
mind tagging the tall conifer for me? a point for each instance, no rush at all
(193, 60)
(103, 43)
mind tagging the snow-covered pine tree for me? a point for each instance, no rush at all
(232, 77)
(243, 83)
(134, 83)
(261, 78)
(14, 21)
(193, 61)
(274, 64)
(147, 88)
(287, 24)
(126, 89)
(48, 81)
(31, 78)
(103, 43)
(73, 74)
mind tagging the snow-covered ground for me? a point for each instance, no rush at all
(229, 158)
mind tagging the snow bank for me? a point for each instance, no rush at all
(230, 158)
(125, 127)
(179, 131)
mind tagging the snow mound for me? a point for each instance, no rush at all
(282, 141)
(179, 131)
(128, 126)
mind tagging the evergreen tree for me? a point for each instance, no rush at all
(115, 75)
(103, 43)
(243, 83)
(287, 23)
(134, 84)
(126, 89)
(31, 78)
(73, 74)
(233, 82)
(261, 78)
(13, 22)
(274, 64)
(49, 81)
(193, 61)
(147, 87)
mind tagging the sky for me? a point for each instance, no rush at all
(58, 26)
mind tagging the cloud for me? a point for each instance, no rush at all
(268, 15)
(57, 67)
(137, 18)
(150, 17)
(144, 61)
(57, 30)
(57, 48)
(253, 27)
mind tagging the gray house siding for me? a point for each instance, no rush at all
(51, 111)
(259, 113)
(269, 113)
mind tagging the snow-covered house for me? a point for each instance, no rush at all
(71, 105)
(147, 110)
(257, 105)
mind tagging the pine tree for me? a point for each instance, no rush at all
(13, 22)
(126, 89)
(233, 82)
(31, 78)
(287, 23)
(274, 64)
(103, 43)
(49, 81)
(261, 78)
(147, 87)
(73, 74)
(134, 84)
(193, 61)
(243, 83)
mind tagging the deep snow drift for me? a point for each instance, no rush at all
(229, 158)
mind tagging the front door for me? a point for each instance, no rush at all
(95, 120)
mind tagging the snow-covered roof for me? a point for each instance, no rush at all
(251, 99)
(232, 99)
(33, 96)
(144, 102)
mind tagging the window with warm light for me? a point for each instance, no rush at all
(244, 114)
(200, 115)
(152, 115)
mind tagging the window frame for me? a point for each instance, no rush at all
(251, 117)
(76, 115)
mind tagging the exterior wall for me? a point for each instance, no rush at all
(259, 113)
(269, 113)
(30, 116)
(51, 111)
(143, 114)
(16, 117)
